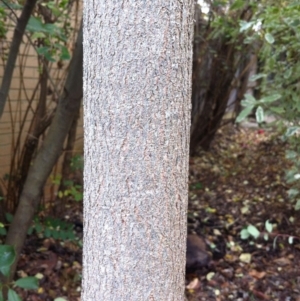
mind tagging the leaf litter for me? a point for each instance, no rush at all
(237, 186)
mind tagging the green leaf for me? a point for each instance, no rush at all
(260, 117)
(291, 154)
(13, 296)
(38, 35)
(3, 231)
(266, 237)
(55, 234)
(28, 283)
(45, 51)
(42, 50)
(7, 258)
(79, 196)
(250, 99)
(244, 113)
(297, 206)
(52, 29)
(255, 77)
(71, 235)
(38, 228)
(14, 6)
(270, 98)
(5, 270)
(290, 176)
(63, 235)
(65, 55)
(292, 130)
(293, 192)
(277, 110)
(268, 226)
(9, 217)
(244, 234)
(47, 232)
(53, 6)
(288, 73)
(291, 240)
(269, 38)
(35, 24)
(253, 231)
(244, 25)
(237, 4)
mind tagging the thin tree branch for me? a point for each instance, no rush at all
(14, 50)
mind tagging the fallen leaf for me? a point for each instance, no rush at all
(230, 258)
(217, 232)
(245, 257)
(194, 284)
(282, 261)
(256, 274)
(245, 210)
(209, 276)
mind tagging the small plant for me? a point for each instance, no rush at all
(73, 190)
(277, 81)
(49, 227)
(52, 227)
(293, 174)
(7, 258)
(77, 163)
(71, 187)
(196, 186)
(252, 231)
(250, 103)
(50, 36)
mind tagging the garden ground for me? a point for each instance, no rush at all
(239, 182)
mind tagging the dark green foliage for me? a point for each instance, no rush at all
(53, 227)
(7, 258)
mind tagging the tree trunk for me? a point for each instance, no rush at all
(39, 124)
(48, 154)
(137, 86)
(213, 103)
(66, 166)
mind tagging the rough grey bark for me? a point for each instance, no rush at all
(14, 50)
(48, 154)
(137, 91)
